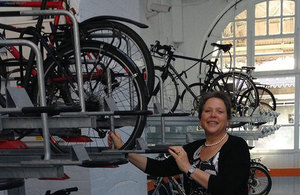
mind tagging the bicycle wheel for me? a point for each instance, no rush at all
(258, 164)
(126, 39)
(267, 104)
(170, 92)
(189, 103)
(266, 97)
(243, 93)
(128, 92)
(259, 182)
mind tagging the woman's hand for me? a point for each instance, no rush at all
(114, 139)
(181, 158)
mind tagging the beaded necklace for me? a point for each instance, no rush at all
(213, 144)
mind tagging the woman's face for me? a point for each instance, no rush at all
(214, 116)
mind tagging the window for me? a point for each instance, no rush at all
(284, 90)
(274, 38)
(236, 34)
(263, 35)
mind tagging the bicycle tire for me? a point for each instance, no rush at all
(189, 103)
(266, 96)
(125, 39)
(267, 103)
(170, 92)
(259, 182)
(95, 87)
(243, 93)
(258, 164)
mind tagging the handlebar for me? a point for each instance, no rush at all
(161, 50)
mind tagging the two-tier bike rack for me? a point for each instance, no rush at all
(39, 162)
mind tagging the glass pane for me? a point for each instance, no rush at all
(228, 31)
(283, 89)
(240, 28)
(261, 10)
(260, 27)
(274, 8)
(241, 47)
(288, 25)
(242, 15)
(226, 63)
(240, 61)
(274, 26)
(288, 8)
(274, 62)
(274, 46)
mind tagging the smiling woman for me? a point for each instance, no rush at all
(215, 115)
(207, 163)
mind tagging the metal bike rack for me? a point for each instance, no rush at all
(159, 113)
(27, 163)
(158, 121)
(40, 64)
(41, 85)
(75, 36)
(247, 132)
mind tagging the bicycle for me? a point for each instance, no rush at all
(107, 29)
(62, 89)
(240, 87)
(267, 101)
(259, 182)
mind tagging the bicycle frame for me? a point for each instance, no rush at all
(213, 69)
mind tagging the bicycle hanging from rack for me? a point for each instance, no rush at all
(267, 101)
(109, 29)
(97, 59)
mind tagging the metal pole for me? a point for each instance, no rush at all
(109, 88)
(41, 82)
(76, 45)
(161, 84)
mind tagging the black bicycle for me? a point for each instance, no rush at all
(267, 101)
(240, 87)
(260, 181)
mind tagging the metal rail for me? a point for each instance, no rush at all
(40, 64)
(76, 40)
(41, 85)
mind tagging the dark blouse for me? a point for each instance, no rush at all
(231, 168)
